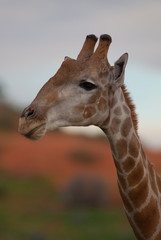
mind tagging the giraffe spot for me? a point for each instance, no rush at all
(102, 104)
(126, 110)
(128, 164)
(104, 124)
(103, 74)
(159, 183)
(104, 93)
(89, 112)
(117, 162)
(136, 175)
(118, 111)
(121, 180)
(94, 98)
(152, 178)
(138, 237)
(121, 148)
(103, 81)
(113, 150)
(148, 219)
(126, 127)
(144, 158)
(79, 108)
(115, 125)
(126, 202)
(114, 101)
(158, 237)
(139, 194)
(134, 146)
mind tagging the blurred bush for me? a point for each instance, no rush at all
(30, 209)
(85, 191)
(8, 114)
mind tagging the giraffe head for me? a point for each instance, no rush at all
(78, 94)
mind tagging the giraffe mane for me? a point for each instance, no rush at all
(132, 107)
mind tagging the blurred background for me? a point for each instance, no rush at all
(64, 186)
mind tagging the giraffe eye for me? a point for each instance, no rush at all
(88, 86)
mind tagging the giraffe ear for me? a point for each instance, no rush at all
(119, 70)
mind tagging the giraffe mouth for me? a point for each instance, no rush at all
(35, 133)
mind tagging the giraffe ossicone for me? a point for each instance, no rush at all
(89, 91)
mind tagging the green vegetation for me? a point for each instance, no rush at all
(30, 210)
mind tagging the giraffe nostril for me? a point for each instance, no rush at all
(28, 113)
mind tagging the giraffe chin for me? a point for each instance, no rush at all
(36, 133)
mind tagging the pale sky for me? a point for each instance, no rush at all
(35, 35)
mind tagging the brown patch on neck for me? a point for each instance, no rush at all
(148, 219)
(131, 106)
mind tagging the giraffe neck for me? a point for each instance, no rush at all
(139, 185)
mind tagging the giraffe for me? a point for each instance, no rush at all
(89, 91)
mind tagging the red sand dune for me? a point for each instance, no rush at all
(52, 157)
